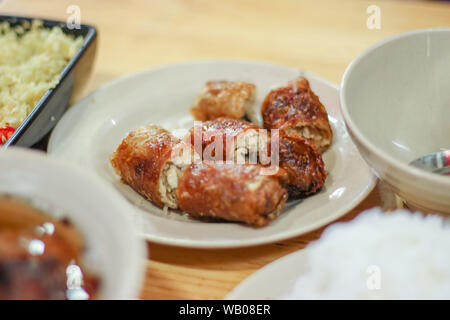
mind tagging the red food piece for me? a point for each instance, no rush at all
(5, 133)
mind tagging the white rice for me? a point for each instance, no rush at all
(30, 64)
(396, 255)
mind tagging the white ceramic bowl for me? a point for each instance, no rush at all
(395, 99)
(96, 209)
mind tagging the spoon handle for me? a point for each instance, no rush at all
(438, 162)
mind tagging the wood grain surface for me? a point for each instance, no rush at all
(321, 37)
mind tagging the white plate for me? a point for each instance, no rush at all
(114, 251)
(93, 128)
(273, 281)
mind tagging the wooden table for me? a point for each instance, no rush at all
(318, 36)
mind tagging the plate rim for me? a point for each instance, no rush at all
(240, 288)
(232, 243)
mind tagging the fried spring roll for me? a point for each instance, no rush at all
(233, 139)
(149, 161)
(224, 99)
(303, 164)
(295, 107)
(232, 192)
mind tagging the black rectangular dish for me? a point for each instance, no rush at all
(50, 108)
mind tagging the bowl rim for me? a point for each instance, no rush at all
(372, 147)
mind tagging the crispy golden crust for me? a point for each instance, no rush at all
(140, 158)
(231, 192)
(223, 99)
(303, 163)
(295, 107)
(229, 129)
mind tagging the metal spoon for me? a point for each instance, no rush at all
(438, 162)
